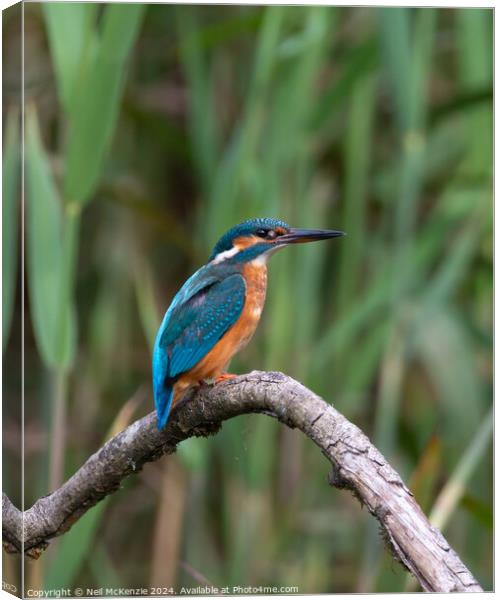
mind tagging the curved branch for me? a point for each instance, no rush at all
(356, 465)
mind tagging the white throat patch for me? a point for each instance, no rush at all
(261, 260)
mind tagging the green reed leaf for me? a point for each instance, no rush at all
(69, 27)
(45, 254)
(99, 96)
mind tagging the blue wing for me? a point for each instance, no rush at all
(201, 313)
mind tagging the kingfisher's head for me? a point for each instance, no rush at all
(259, 238)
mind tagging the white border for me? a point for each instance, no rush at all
(442, 4)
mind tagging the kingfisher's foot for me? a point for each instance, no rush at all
(225, 377)
(211, 381)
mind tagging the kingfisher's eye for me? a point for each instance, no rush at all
(267, 234)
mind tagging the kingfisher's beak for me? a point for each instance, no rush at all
(301, 236)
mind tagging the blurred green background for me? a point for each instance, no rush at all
(152, 129)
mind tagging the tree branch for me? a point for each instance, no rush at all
(356, 465)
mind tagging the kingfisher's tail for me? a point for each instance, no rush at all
(163, 402)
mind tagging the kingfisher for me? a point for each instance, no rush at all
(216, 311)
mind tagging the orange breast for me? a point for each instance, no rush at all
(216, 361)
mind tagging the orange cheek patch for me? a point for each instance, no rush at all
(246, 241)
(280, 230)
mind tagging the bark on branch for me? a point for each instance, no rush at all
(356, 465)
